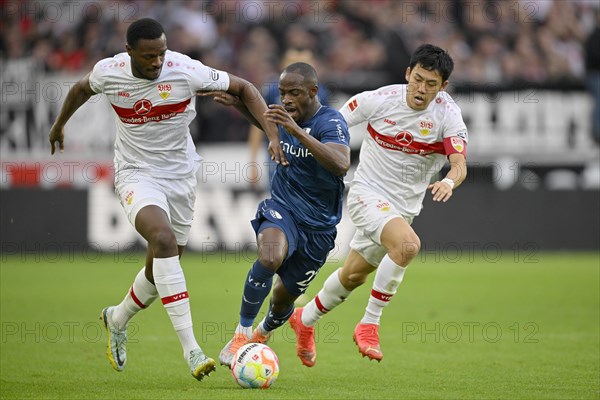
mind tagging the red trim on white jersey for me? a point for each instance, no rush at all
(156, 113)
(413, 147)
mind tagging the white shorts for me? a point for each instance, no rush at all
(370, 212)
(175, 196)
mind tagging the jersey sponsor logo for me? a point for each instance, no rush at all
(457, 143)
(164, 90)
(404, 138)
(142, 107)
(124, 94)
(143, 111)
(401, 143)
(353, 104)
(214, 74)
(389, 121)
(169, 64)
(295, 150)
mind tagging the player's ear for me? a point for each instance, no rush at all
(444, 84)
(407, 76)
(314, 90)
(128, 48)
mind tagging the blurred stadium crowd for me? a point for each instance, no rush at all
(358, 44)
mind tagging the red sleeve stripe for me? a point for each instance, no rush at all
(320, 305)
(381, 296)
(136, 300)
(455, 145)
(174, 298)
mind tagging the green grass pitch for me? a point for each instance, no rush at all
(515, 326)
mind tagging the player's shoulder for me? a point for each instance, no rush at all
(390, 94)
(112, 65)
(444, 101)
(328, 114)
(180, 62)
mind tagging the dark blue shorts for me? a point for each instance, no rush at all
(307, 249)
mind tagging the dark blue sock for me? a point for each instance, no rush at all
(274, 321)
(256, 289)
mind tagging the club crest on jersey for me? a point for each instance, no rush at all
(457, 143)
(404, 138)
(142, 107)
(164, 90)
(425, 126)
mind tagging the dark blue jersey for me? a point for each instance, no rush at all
(312, 194)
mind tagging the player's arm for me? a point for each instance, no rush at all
(442, 190)
(77, 96)
(255, 107)
(334, 157)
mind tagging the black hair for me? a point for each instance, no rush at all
(304, 69)
(433, 58)
(145, 28)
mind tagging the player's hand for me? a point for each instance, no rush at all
(220, 97)
(441, 191)
(276, 152)
(277, 114)
(57, 134)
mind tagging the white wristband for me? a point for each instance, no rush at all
(449, 182)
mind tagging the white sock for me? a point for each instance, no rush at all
(331, 295)
(246, 330)
(170, 283)
(387, 279)
(141, 294)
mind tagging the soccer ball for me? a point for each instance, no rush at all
(255, 365)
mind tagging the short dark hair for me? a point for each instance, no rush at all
(145, 28)
(433, 58)
(304, 69)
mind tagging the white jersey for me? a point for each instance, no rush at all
(153, 116)
(404, 148)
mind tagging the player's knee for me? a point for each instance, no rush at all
(406, 249)
(163, 240)
(270, 261)
(353, 279)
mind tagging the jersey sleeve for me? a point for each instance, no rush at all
(98, 76)
(360, 107)
(334, 130)
(455, 133)
(204, 78)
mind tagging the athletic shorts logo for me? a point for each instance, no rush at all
(383, 206)
(404, 138)
(275, 214)
(142, 107)
(129, 197)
